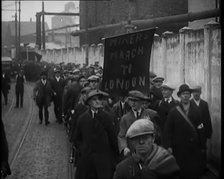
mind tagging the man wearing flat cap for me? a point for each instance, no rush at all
(136, 100)
(147, 160)
(96, 138)
(94, 81)
(184, 136)
(42, 94)
(156, 90)
(164, 105)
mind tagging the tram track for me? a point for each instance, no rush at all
(10, 108)
(24, 132)
(26, 117)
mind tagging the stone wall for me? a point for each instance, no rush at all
(192, 57)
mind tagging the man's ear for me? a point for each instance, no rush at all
(153, 137)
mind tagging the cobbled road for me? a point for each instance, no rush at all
(35, 151)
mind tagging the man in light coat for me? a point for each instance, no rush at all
(136, 99)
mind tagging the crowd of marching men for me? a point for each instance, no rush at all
(126, 137)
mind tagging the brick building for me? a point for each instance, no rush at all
(98, 13)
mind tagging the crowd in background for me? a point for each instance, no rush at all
(134, 136)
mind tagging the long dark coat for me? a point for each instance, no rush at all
(4, 151)
(97, 141)
(163, 109)
(186, 142)
(205, 114)
(79, 110)
(20, 84)
(58, 88)
(5, 83)
(43, 93)
(70, 96)
(119, 112)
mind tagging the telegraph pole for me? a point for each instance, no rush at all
(16, 40)
(43, 28)
(19, 29)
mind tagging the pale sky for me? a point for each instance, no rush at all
(29, 8)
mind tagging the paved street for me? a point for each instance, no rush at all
(36, 151)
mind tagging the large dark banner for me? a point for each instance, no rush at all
(126, 63)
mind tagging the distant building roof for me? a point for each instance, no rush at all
(26, 27)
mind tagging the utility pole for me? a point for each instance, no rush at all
(43, 28)
(87, 34)
(38, 30)
(16, 40)
(19, 29)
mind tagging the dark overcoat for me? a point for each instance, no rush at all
(70, 96)
(156, 94)
(186, 141)
(58, 88)
(119, 111)
(79, 110)
(97, 142)
(43, 93)
(163, 109)
(205, 114)
(4, 151)
(20, 84)
(5, 83)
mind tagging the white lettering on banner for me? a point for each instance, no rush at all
(125, 84)
(127, 68)
(128, 54)
(128, 40)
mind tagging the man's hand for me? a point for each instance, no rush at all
(170, 150)
(72, 111)
(126, 151)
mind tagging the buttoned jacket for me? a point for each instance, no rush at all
(43, 93)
